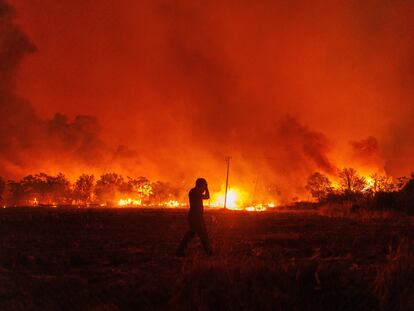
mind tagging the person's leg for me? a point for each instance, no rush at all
(183, 245)
(202, 234)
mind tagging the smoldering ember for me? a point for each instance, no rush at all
(206, 155)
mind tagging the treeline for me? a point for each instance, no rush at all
(377, 192)
(44, 189)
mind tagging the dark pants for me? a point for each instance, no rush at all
(198, 227)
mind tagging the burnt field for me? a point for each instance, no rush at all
(111, 259)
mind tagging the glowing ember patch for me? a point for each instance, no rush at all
(129, 202)
(257, 208)
(135, 203)
(171, 203)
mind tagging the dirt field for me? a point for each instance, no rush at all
(115, 259)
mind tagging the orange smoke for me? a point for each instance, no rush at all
(167, 90)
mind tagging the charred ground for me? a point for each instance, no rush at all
(123, 259)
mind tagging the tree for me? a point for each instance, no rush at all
(16, 192)
(350, 182)
(407, 195)
(409, 186)
(140, 188)
(381, 183)
(83, 189)
(26, 191)
(319, 186)
(29, 190)
(401, 182)
(40, 188)
(58, 189)
(109, 186)
(2, 187)
(162, 192)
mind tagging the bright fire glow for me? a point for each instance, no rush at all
(129, 202)
(370, 182)
(171, 203)
(237, 199)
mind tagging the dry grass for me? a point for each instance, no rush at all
(336, 210)
(346, 210)
(271, 285)
(123, 260)
(394, 283)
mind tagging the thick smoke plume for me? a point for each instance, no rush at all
(28, 142)
(283, 87)
(18, 119)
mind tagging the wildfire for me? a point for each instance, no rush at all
(172, 204)
(129, 202)
(237, 199)
(370, 182)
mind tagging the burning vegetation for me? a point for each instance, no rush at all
(232, 108)
(348, 187)
(189, 89)
(375, 191)
(110, 189)
(133, 100)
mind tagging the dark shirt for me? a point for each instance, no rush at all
(196, 203)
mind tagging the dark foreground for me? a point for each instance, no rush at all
(124, 259)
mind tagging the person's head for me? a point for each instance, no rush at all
(201, 184)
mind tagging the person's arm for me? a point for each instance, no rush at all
(206, 195)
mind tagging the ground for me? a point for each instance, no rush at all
(123, 259)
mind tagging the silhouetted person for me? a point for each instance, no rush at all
(195, 217)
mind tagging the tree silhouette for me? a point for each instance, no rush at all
(140, 188)
(41, 187)
(401, 182)
(409, 186)
(350, 182)
(83, 188)
(319, 186)
(162, 192)
(382, 183)
(58, 189)
(407, 195)
(16, 192)
(109, 186)
(28, 189)
(2, 188)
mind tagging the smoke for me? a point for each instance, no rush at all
(366, 153)
(18, 118)
(27, 141)
(305, 148)
(174, 87)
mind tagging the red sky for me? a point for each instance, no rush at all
(183, 83)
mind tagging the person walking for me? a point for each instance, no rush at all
(195, 218)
